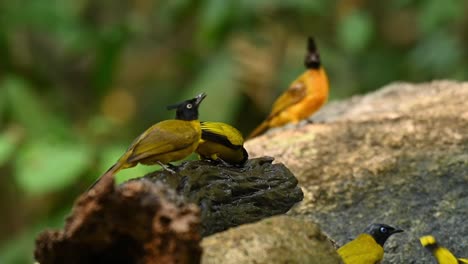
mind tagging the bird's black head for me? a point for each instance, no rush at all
(188, 109)
(312, 58)
(381, 232)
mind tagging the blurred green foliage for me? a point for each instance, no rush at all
(80, 79)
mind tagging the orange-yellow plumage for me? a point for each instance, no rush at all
(306, 95)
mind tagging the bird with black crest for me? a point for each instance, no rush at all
(165, 142)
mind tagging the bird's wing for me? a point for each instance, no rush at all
(463, 261)
(163, 138)
(295, 93)
(221, 130)
(443, 255)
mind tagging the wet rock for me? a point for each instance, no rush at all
(140, 222)
(279, 239)
(230, 196)
(397, 156)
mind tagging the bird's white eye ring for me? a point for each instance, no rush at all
(189, 106)
(383, 230)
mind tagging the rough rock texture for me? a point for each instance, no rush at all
(278, 239)
(230, 196)
(397, 156)
(140, 222)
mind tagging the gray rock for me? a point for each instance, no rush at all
(279, 239)
(397, 156)
(230, 196)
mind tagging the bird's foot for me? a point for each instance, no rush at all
(309, 121)
(225, 163)
(168, 167)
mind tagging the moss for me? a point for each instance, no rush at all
(230, 196)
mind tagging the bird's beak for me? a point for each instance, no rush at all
(199, 98)
(397, 231)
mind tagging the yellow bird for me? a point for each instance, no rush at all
(220, 141)
(367, 248)
(166, 141)
(305, 95)
(443, 255)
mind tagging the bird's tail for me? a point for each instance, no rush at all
(262, 128)
(107, 175)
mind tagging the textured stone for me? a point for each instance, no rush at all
(397, 156)
(279, 239)
(230, 196)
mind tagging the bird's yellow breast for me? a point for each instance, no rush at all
(362, 250)
(316, 94)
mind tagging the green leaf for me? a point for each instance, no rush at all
(29, 110)
(170, 13)
(19, 247)
(3, 103)
(355, 31)
(218, 81)
(50, 166)
(435, 16)
(26, 107)
(110, 45)
(436, 56)
(214, 16)
(57, 19)
(8, 144)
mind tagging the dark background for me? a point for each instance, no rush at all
(80, 79)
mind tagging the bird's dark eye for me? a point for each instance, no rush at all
(383, 230)
(189, 106)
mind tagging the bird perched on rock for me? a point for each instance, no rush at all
(166, 141)
(220, 141)
(367, 248)
(303, 97)
(443, 255)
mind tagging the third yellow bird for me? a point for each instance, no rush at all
(443, 255)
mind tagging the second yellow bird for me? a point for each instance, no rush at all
(222, 142)
(304, 96)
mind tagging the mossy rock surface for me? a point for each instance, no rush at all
(231, 196)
